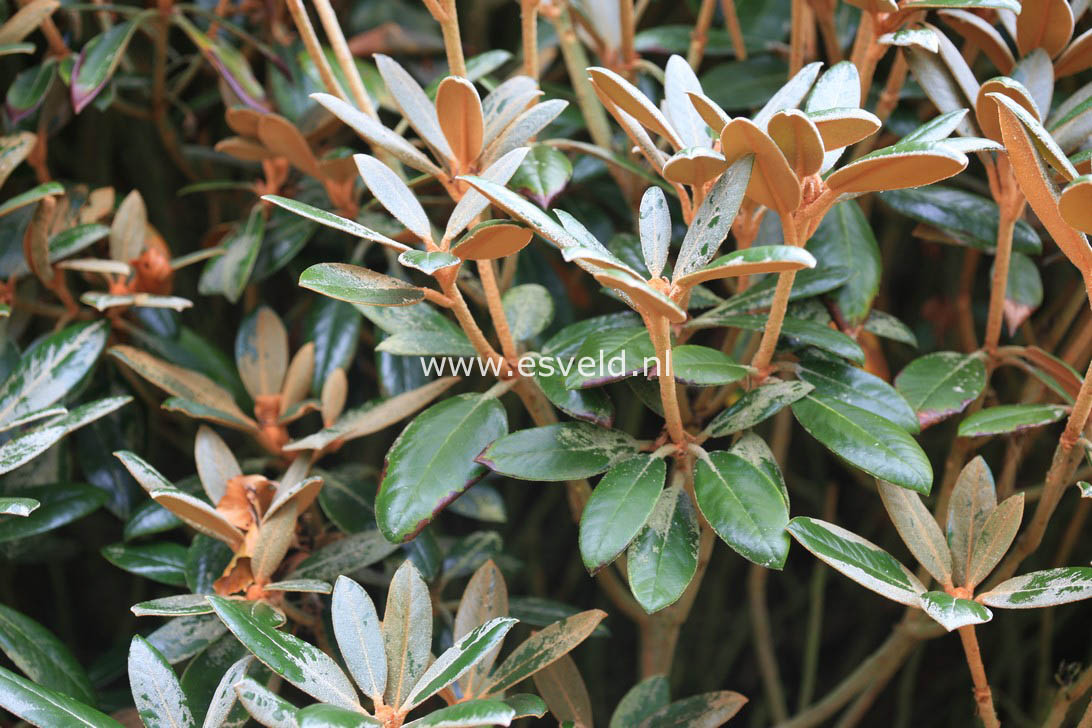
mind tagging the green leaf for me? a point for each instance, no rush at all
(358, 285)
(97, 61)
(419, 329)
(178, 605)
(330, 220)
(742, 495)
(44, 707)
(704, 366)
(713, 219)
(529, 309)
(755, 406)
(836, 380)
(1008, 418)
(663, 558)
(433, 461)
(655, 228)
(1024, 292)
(427, 262)
(607, 356)
(967, 218)
(61, 504)
(223, 708)
(808, 283)
(566, 451)
(709, 710)
(183, 637)
(754, 260)
(862, 561)
(334, 328)
(41, 656)
(845, 238)
(520, 209)
(618, 509)
(542, 649)
(1041, 589)
(919, 530)
(526, 705)
(866, 441)
(51, 369)
(331, 716)
(157, 693)
(229, 273)
(887, 326)
(951, 612)
(640, 701)
(29, 88)
(796, 331)
(308, 668)
(470, 714)
(22, 507)
(407, 632)
(459, 658)
(542, 175)
(356, 626)
(345, 556)
(161, 562)
(941, 384)
(758, 80)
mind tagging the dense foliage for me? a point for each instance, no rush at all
(555, 361)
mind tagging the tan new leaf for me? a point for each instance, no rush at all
(694, 166)
(334, 391)
(281, 137)
(798, 139)
(36, 240)
(709, 111)
(129, 228)
(485, 598)
(896, 168)
(1046, 24)
(459, 109)
(415, 106)
(772, 183)
(564, 691)
(644, 296)
(275, 537)
(973, 499)
(200, 515)
(297, 381)
(985, 107)
(1076, 58)
(841, 127)
(243, 121)
(26, 19)
(543, 648)
(262, 354)
(492, 239)
(216, 464)
(1075, 203)
(1035, 182)
(14, 149)
(629, 99)
(918, 529)
(983, 35)
(997, 535)
(182, 383)
(247, 150)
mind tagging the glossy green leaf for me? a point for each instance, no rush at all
(1008, 418)
(306, 667)
(22, 507)
(42, 657)
(567, 451)
(61, 504)
(708, 710)
(866, 441)
(459, 658)
(941, 384)
(97, 61)
(849, 384)
(331, 716)
(161, 562)
(862, 561)
(640, 701)
(330, 220)
(354, 284)
(845, 238)
(742, 495)
(179, 605)
(529, 308)
(618, 509)
(229, 273)
(44, 707)
(432, 461)
(608, 355)
(469, 714)
(663, 558)
(802, 331)
(542, 175)
(183, 637)
(751, 261)
(756, 405)
(344, 556)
